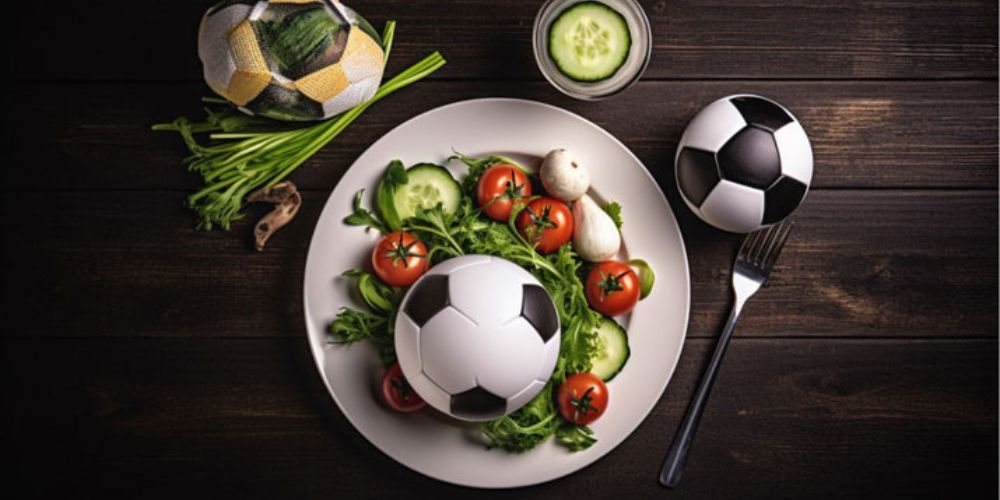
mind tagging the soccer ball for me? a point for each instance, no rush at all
(290, 59)
(743, 162)
(477, 337)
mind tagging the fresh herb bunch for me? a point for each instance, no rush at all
(377, 323)
(248, 153)
(467, 231)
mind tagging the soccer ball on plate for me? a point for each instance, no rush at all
(290, 59)
(744, 162)
(477, 337)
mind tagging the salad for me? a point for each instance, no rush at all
(546, 223)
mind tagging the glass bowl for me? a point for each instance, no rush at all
(629, 73)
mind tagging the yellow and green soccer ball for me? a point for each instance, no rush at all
(290, 59)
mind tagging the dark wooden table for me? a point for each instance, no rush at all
(144, 359)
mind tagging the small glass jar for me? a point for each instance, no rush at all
(624, 77)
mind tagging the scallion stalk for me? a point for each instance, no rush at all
(250, 153)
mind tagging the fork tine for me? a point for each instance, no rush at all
(775, 250)
(765, 243)
(744, 246)
(774, 235)
(749, 246)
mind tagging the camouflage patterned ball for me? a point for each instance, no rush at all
(290, 59)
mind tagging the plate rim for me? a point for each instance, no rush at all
(687, 289)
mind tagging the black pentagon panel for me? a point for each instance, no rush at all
(477, 403)
(697, 174)
(538, 309)
(782, 198)
(282, 103)
(750, 158)
(428, 297)
(761, 112)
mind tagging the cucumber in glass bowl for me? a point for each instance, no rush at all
(589, 41)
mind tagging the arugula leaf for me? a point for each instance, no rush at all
(575, 437)
(377, 324)
(362, 217)
(525, 428)
(614, 210)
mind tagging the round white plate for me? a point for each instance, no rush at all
(429, 442)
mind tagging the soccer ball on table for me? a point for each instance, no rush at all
(743, 162)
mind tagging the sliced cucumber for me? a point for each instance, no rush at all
(613, 350)
(589, 41)
(426, 186)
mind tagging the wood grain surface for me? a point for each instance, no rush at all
(144, 359)
(486, 39)
(903, 264)
(249, 418)
(863, 133)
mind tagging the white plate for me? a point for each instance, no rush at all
(431, 443)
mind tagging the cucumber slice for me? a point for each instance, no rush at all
(613, 351)
(426, 185)
(589, 41)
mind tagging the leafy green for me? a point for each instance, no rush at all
(614, 210)
(377, 324)
(527, 427)
(363, 217)
(378, 296)
(299, 36)
(575, 437)
(247, 153)
(395, 176)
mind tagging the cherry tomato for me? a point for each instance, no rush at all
(582, 398)
(547, 222)
(397, 393)
(399, 258)
(612, 288)
(499, 187)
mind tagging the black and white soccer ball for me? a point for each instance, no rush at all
(744, 162)
(477, 337)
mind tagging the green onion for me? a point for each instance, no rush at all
(249, 153)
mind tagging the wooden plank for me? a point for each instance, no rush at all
(487, 39)
(250, 418)
(861, 263)
(869, 134)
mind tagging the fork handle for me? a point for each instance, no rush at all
(670, 473)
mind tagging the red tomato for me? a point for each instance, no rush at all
(582, 398)
(399, 258)
(612, 288)
(499, 187)
(397, 393)
(546, 221)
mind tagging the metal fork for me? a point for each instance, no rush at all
(754, 262)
